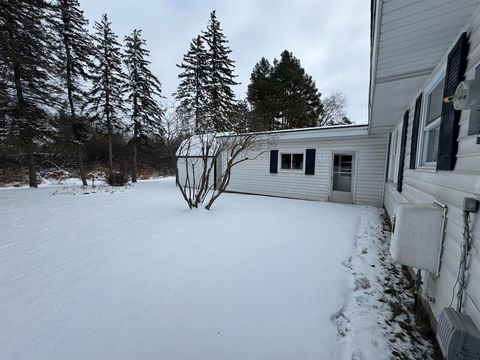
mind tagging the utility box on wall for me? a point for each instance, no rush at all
(417, 237)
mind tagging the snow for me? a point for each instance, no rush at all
(131, 273)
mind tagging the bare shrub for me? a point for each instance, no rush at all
(117, 178)
(205, 163)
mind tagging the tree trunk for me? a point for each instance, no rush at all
(135, 137)
(134, 161)
(26, 132)
(70, 94)
(80, 165)
(110, 151)
(32, 172)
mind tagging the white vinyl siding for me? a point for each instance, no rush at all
(425, 185)
(195, 170)
(253, 176)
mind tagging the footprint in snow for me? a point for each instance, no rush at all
(341, 321)
(361, 282)
(357, 355)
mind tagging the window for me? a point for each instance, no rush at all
(431, 124)
(292, 162)
(342, 172)
(393, 157)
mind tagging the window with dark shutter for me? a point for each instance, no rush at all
(310, 162)
(273, 161)
(447, 144)
(415, 126)
(401, 160)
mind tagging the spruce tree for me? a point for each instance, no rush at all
(192, 90)
(143, 89)
(106, 100)
(221, 98)
(260, 96)
(28, 72)
(296, 98)
(75, 57)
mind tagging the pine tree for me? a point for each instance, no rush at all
(260, 96)
(221, 98)
(297, 100)
(75, 57)
(28, 72)
(192, 92)
(142, 88)
(108, 81)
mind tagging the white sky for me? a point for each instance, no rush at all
(331, 38)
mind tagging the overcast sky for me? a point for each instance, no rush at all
(331, 38)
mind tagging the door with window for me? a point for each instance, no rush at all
(342, 178)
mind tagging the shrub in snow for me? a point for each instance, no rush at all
(117, 178)
(205, 162)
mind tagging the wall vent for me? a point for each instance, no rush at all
(457, 336)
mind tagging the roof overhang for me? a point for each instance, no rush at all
(335, 131)
(408, 40)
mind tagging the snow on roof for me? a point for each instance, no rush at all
(316, 128)
(196, 145)
(312, 132)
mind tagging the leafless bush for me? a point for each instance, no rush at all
(205, 163)
(117, 178)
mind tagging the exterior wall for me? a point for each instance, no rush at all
(254, 177)
(424, 185)
(195, 165)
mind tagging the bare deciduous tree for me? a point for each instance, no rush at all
(205, 163)
(334, 110)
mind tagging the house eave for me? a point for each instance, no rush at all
(408, 41)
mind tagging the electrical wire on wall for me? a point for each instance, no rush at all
(466, 247)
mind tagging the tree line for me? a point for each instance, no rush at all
(72, 95)
(55, 75)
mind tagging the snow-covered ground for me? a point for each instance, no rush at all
(132, 273)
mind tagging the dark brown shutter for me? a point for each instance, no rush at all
(415, 125)
(447, 144)
(310, 162)
(403, 145)
(273, 161)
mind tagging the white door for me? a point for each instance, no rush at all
(342, 178)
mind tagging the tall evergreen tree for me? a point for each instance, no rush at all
(75, 57)
(142, 88)
(27, 67)
(260, 96)
(221, 98)
(192, 90)
(297, 100)
(283, 96)
(106, 100)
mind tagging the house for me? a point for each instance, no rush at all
(420, 51)
(339, 163)
(416, 149)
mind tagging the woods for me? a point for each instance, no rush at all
(76, 98)
(66, 92)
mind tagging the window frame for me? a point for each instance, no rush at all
(394, 155)
(291, 153)
(424, 128)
